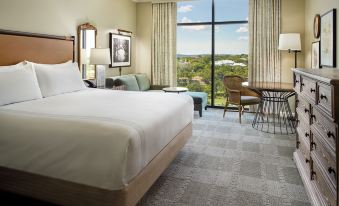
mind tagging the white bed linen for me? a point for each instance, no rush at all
(101, 138)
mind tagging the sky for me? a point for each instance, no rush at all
(229, 39)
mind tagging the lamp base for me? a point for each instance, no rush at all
(100, 76)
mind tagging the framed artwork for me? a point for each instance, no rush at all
(328, 39)
(315, 58)
(120, 46)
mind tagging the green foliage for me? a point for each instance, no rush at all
(194, 72)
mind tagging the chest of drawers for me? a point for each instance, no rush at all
(317, 115)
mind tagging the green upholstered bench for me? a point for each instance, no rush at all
(200, 101)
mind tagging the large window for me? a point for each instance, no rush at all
(212, 42)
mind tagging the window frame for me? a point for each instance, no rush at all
(213, 23)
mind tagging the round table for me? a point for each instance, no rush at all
(274, 114)
(175, 89)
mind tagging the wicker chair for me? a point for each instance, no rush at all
(236, 94)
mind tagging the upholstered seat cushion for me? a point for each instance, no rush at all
(248, 100)
(130, 81)
(199, 97)
(143, 82)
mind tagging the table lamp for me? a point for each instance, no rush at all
(100, 57)
(290, 42)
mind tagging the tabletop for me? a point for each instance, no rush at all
(175, 89)
(269, 86)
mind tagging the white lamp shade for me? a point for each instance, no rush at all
(290, 41)
(100, 57)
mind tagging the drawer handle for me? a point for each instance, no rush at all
(313, 175)
(307, 160)
(313, 145)
(297, 81)
(312, 90)
(307, 135)
(307, 110)
(323, 97)
(313, 117)
(302, 84)
(331, 170)
(330, 134)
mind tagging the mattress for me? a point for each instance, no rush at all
(100, 138)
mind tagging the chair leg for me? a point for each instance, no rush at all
(240, 111)
(225, 109)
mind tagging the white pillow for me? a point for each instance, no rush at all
(19, 85)
(12, 67)
(59, 78)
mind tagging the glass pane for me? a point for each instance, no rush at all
(195, 11)
(194, 58)
(231, 49)
(231, 10)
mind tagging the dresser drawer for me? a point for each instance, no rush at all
(303, 115)
(304, 147)
(308, 88)
(304, 131)
(324, 186)
(297, 83)
(324, 98)
(328, 161)
(326, 128)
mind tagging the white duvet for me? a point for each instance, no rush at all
(101, 138)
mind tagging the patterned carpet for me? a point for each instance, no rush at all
(226, 163)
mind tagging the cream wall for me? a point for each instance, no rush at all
(313, 7)
(61, 17)
(144, 38)
(292, 21)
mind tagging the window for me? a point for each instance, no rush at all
(212, 41)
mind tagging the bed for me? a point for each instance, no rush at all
(90, 147)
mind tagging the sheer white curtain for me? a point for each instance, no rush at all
(164, 43)
(264, 30)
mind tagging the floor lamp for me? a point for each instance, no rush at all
(290, 42)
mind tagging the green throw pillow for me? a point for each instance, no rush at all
(143, 82)
(130, 81)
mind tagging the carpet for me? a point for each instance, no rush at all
(227, 163)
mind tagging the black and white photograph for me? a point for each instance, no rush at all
(120, 46)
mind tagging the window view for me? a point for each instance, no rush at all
(207, 50)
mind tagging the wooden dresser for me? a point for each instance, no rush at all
(317, 112)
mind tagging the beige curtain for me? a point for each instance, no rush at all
(164, 43)
(264, 30)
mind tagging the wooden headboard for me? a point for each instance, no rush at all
(39, 48)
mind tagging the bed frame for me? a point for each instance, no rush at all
(49, 49)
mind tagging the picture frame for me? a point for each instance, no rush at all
(120, 49)
(316, 26)
(328, 35)
(315, 56)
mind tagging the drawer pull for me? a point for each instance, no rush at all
(313, 175)
(307, 135)
(312, 90)
(323, 97)
(307, 160)
(307, 110)
(297, 81)
(313, 144)
(313, 117)
(330, 134)
(331, 170)
(302, 84)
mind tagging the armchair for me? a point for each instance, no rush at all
(236, 94)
